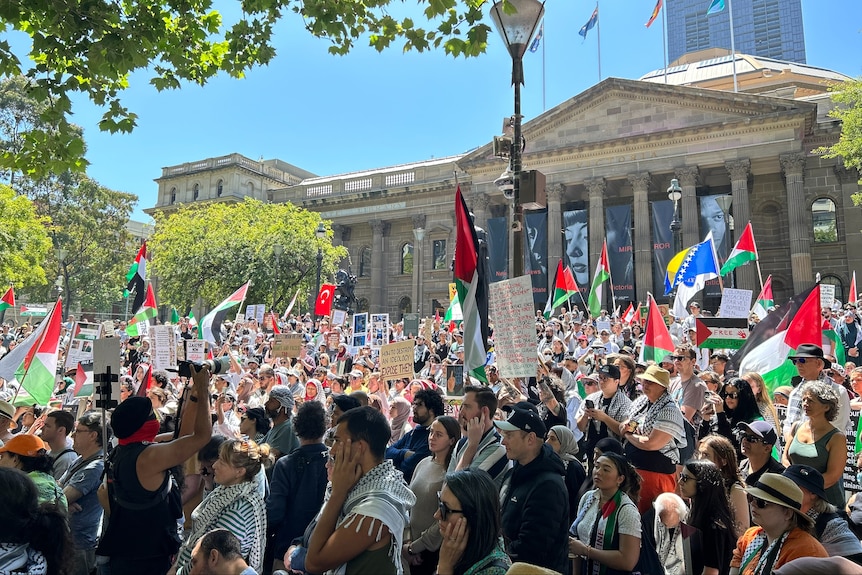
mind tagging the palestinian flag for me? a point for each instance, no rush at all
(192, 319)
(468, 282)
(775, 339)
(564, 288)
(292, 303)
(764, 301)
(603, 274)
(175, 316)
(37, 373)
(853, 296)
(453, 312)
(210, 328)
(743, 252)
(8, 299)
(629, 316)
(83, 381)
(137, 277)
(657, 342)
(140, 323)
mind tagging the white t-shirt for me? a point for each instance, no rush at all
(628, 518)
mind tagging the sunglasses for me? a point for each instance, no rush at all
(753, 439)
(734, 395)
(684, 478)
(445, 510)
(678, 357)
(801, 360)
(758, 502)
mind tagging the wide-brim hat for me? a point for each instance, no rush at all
(782, 491)
(656, 374)
(809, 350)
(807, 477)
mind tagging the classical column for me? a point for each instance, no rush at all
(341, 235)
(479, 203)
(643, 240)
(418, 261)
(738, 170)
(378, 265)
(555, 226)
(687, 177)
(849, 180)
(596, 188)
(798, 220)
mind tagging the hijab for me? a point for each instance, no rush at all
(399, 420)
(568, 445)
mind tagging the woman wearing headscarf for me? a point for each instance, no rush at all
(399, 408)
(314, 391)
(562, 441)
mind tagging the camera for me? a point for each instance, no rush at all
(218, 365)
(506, 184)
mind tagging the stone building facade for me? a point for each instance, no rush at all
(618, 143)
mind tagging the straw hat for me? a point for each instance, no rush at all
(781, 491)
(655, 374)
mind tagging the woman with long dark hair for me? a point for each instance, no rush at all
(719, 450)
(34, 538)
(702, 482)
(469, 519)
(738, 405)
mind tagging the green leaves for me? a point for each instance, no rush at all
(93, 47)
(848, 97)
(24, 242)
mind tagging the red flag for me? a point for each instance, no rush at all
(274, 320)
(630, 313)
(323, 304)
(657, 342)
(806, 325)
(80, 379)
(8, 299)
(854, 295)
(636, 318)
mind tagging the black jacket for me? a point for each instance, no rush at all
(535, 510)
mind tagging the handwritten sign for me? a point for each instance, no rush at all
(286, 345)
(827, 296)
(164, 346)
(511, 306)
(735, 303)
(396, 360)
(339, 317)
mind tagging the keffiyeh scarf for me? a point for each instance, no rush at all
(762, 552)
(17, 558)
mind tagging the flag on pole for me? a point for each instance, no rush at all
(290, 306)
(657, 341)
(691, 265)
(210, 328)
(603, 274)
(192, 319)
(537, 41)
(140, 323)
(636, 318)
(36, 373)
(764, 301)
(630, 313)
(8, 299)
(716, 7)
(591, 23)
(655, 13)
(743, 252)
(323, 303)
(175, 316)
(564, 288)
(137, 277)
(467, 282)
(854, 294)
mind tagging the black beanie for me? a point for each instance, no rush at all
(130, 416)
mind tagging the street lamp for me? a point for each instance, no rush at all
(517, 29)
(674, 194)
(61, 278)
(277, 250)
(320, 233)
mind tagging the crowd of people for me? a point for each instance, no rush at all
(317, 464)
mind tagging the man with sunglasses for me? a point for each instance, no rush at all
(687, 388)
(810, 363)
(757, 439)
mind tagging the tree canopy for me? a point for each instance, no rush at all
(211, 250)
(24, 241)
(848, 99)
(92, 48)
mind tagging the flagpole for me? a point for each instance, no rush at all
(599, 39)
(732, 44)
(27, 370)
(233, 325)
(544, 42)
(664, 39)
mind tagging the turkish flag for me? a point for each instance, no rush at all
(323, 304)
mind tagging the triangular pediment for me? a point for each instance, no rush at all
(617, 110)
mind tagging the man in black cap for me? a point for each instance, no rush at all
(142, 496)
(810, 364)
(757, 440)
(535, 509)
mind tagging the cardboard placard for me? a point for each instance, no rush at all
(286, 345)
(163, 340)
(511, 306)
(396, 360)
(339, 317)
(735, 303)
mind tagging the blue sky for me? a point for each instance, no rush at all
(334, 114)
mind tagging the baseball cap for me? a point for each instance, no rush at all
(761, 429)
(807, 477)
(25, 445)
(611, 371)
(524, 419)
(356, 373)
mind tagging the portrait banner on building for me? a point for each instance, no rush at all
(662, 242)
(498, 249)
(618, 230)
(536, 254)
(576, 248)
(714, 219)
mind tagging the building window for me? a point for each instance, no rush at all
(407, 258)
(362, 305)
(220, 188)
(405, 306)
(440, 255)
(839, 286)
(196, 192)
(173, 195)
(365, 263)
(823, 218)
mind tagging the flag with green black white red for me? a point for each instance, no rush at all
(467, 282)
(764, 301)
(8, 299)
(743, 252)
(137, 277)
(140, 323)
(602, 275)
(37, 372)
(564, 288)
(657, 341)
(210, 327)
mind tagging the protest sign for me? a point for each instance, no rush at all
(455, 373)
(195, 350)
(511, 306)
(360, 330)
(81, 344)
(286, 345)
(339, 317)
(411, 324)
(163, 343)
(827, 296)
(396, 360)
(735, 303)
(379, 329)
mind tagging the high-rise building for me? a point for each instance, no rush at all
(766, 28)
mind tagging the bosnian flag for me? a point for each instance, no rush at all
(33, 362)
(211, 322)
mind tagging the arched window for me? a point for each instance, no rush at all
(362, 305)
(173, 195)
(839, 286)
(250, 185)
(365, 262)
(196, 192)
(405, 306)
(823, 218)
(407, 258)
(219, 188)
